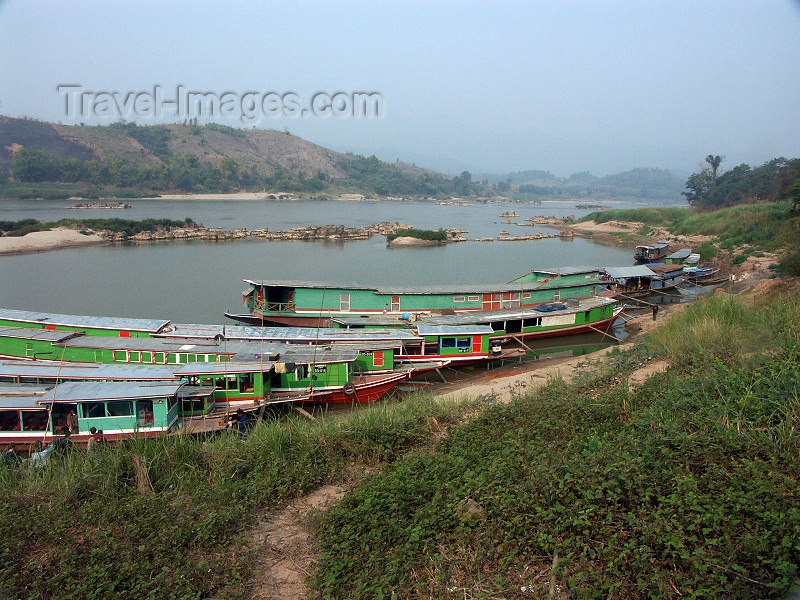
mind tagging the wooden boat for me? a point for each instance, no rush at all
(701, 274)
(625, 283)
(239, 372)
(651, 253)
(317, 304)
(576, 315)
(38, 414)
(415, 342)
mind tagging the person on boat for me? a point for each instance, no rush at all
(10, 457)
(242, 419)
(72, 421)
(93, 445)
(64, 444)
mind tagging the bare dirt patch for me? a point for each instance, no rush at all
(286, 547)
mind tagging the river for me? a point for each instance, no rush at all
(195, 282)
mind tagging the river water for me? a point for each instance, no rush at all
(195, 282)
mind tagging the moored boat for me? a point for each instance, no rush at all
(638, 281)
(307, 304)
(651, 253)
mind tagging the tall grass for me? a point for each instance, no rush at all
(716, 324)
(169, 517)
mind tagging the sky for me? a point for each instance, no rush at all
(489, 87)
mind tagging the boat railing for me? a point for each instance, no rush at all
(274, 306)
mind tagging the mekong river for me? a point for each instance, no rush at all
(195, 282)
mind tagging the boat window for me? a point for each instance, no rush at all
(160, 358)
(473, 298)
(120, 408)
(120, 356)
(10, 421)
(344, 302)
(35, 420)
(147, 357)
(94, 409)
(144, 413)
(246, 382)
(557, 295)
(459, 298)
(135, 356)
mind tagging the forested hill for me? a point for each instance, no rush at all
(49, 160)
(648, 184)
(192, 157)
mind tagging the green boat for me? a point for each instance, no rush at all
(319, 304)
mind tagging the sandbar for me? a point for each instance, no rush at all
(42, 241)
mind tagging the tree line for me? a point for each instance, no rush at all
(778, 179)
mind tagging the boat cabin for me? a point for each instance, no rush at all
(316, 304)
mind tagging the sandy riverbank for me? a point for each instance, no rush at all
(42, 241)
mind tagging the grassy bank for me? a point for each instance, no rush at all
(685, 487)
(170, 518)
(740, 231)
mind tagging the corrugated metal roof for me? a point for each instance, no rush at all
(23, 389)
(67, 370)
(681, 254)
(21, 402)
(283, 334)
(454, 329)
(223, 368)
(627, 272)
(28, 333)
(82, 391)
(490, 316)
(116, 323)
(665, 269)
(453, 289)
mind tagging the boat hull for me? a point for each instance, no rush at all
(363, 389)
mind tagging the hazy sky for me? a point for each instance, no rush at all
(486, 86)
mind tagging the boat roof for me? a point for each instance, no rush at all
(223, 368)
(306, 335)
(456, 288)
(426, 329)
(655, 245)
(47, 335)
(627, 272)
(309, 354)
(111, 323)
(21, 402)
(467, 318)
(488, 316)
(149, 344)
(101, 371)
(560, 271)
(83, 391)
(666, 269)
(22, 389)
(681, 254)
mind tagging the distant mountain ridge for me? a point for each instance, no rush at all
(128, 159)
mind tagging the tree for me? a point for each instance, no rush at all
(794, 195)
(698, 184)
(714, 162)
